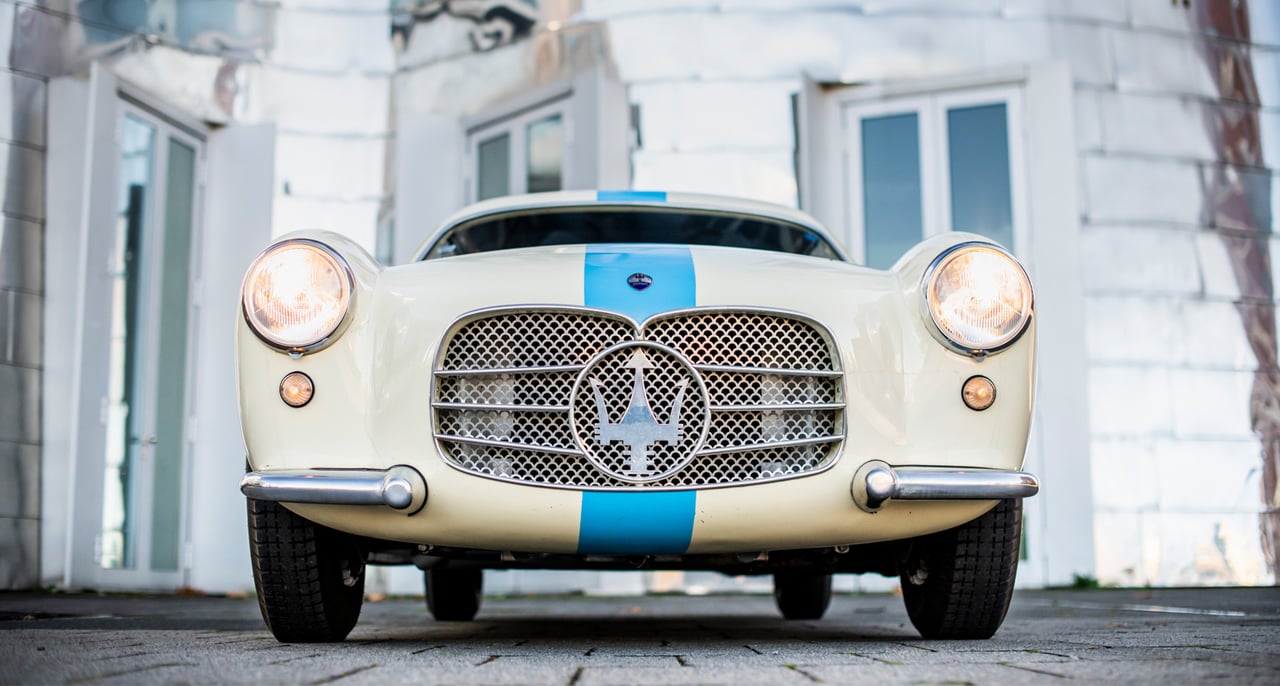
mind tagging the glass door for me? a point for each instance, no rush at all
(143, 305)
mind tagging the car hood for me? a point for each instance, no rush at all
(600, 276)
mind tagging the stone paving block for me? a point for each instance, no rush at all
(750, 659)
(634, 660)
(935, 674)
(905, 654)
(1241, 637)
(1225, 654)
(500, 671)
(1157, 671)
(778, 674)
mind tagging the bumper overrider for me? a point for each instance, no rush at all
(400, 488)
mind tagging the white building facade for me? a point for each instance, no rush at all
(1126, 150)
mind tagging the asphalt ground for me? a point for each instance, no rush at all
(1112, 636)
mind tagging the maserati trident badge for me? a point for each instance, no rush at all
(639, 429)
(639, 412)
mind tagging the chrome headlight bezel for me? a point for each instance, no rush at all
(930, 315)
(348, 285)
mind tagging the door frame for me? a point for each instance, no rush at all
(106, 101)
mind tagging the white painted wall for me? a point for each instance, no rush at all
(236, 226)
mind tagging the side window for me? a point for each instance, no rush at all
(924, 165)
(523, 153)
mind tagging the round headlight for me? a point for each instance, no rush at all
(978, 296)
(296, 294)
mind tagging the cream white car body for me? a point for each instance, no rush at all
(372, 406)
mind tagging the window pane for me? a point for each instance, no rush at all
(978, 147)
(171, 358)
(546, 154)
(494, 164)
(892, 218)
(137, 143)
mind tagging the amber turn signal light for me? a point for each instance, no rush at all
(979, 393)
(296, 389)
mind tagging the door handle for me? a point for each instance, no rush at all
(146, 439)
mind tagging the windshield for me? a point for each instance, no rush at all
(629, 225)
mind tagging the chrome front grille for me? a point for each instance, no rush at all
(552, 396)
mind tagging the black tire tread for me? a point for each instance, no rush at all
(297, 572)
(454, 595)
(971, 571)
(802, 595)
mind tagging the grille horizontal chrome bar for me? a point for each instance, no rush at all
(496, 407)
(470, 440)
(510, 370)
(770, 371)
(819, 440)
(777, 407)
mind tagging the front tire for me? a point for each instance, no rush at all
(957, 583)
(802, 595)
(453, 595)
(310, 578)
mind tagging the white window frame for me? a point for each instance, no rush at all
(935, 181)
(515, 125)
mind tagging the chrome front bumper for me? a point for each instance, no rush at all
(403, 489)
(876, 483)
(399, 488)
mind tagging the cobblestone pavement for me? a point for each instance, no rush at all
(1175, 636)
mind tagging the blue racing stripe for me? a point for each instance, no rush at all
(631, 196)
(608, 267)
(636, 523)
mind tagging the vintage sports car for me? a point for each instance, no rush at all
(635, 381)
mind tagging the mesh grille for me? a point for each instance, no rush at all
(744, 396)
(743, 339)
(533, 339)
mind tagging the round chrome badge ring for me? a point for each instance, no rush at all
(698, 386)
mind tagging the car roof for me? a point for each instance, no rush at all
(625, 198)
